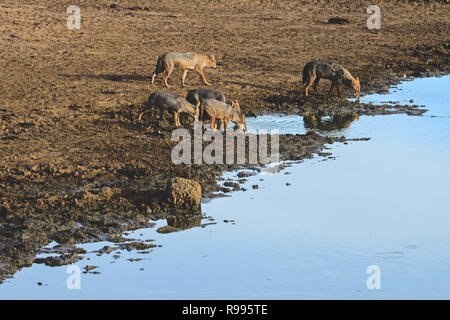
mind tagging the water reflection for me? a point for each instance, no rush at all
(184, 222)
(333, 123)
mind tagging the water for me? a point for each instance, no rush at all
(380, 202)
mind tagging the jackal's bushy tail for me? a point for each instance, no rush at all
(306, 73)
(159, 65)
(202, 111)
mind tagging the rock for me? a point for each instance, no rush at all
(184, 193)
(106, 250)
(231, 184)
(243, 174)
(167, 229)
(61, 260)
(88, 267)
(135, 245)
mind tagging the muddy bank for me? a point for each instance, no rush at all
(77, 166)
(101, 209)
(71, 205)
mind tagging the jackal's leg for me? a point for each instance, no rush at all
(184, 77)
(225, 124)
(339, 89)
(308, 85)
(153, 77)
(213, 122)
(167, 73)
(316, 83)
(175, 117)
(220, 124)
(306, 89)
(331, 88)
(140, 116)
(202, 75)
(336, 85)
(162, 115)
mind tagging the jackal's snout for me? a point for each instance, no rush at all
(242, 124)
(213, 61)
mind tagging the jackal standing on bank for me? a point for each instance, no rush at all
(171, 103)
(186, 61)
(315, 70)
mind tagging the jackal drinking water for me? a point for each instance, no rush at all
(196, 96)
(215, 109)
(315, 70)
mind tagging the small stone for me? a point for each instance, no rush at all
(184, 193)
(167, 229)
(88, 267)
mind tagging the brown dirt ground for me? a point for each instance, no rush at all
(70, 141)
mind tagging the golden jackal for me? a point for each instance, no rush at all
(186, 61)
(171, 103)
(219, 110)
(315, 70)
(197, 95)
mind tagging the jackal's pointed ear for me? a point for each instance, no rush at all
(212, 57)
(357, 79)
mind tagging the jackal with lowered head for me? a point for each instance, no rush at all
(214, 109)
(184, 60)
(316, 70)
(171, 103)
(197, 95)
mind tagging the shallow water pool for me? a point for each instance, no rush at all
(308, 232)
